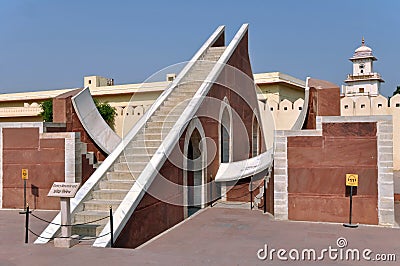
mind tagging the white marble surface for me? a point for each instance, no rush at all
(298, 125)
(94, 124)
(241, 169)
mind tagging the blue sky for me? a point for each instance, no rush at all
(52, 44)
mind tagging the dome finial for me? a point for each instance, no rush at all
(363, 41)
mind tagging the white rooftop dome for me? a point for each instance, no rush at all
(363, 51)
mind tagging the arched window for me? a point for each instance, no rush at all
(255, 138)
(225, 136)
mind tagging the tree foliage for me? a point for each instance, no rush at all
(47, 110)
(105, 109)
(397, 91)
(107, 112)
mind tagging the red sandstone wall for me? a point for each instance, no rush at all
(63, 112)
(324, 100)
(316, 173)
(44, 159)
(154, 213)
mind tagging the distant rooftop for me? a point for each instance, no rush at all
(260, 78)
(276, 77)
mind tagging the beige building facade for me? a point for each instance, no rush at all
(132, 100)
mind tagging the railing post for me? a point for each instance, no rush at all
(27, 223)
(211, 192)
(251, 193)
(265, 195)
(111, 228)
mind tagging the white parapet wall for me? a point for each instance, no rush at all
(284, 113)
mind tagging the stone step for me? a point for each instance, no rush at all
(109, 194)
(146, 143)
(90, 216)
(122, 176)
(188, 90)
(211, 54)
(179, 92)
(189, 86)
(163, 118)
(101, 205)
(168, 110)
(126, 167)
(88, 230)
(116, 184)
(160, 124)
(134, 157)
(147, 136)
(176, 101)
(137, 158)
(151, 133)
(141, 150)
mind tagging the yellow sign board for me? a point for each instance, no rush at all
(24, 173)
(352, 180)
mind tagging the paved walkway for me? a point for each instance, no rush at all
(214, 236)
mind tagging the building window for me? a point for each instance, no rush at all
(254, 141)
(300, 108)
(285, 108)
(361, 90)
(225, 136)
(90, 81)
(397, 104)
(272, 108)
(346, 107)
(362, 71)
(379, 105)
(362, 105)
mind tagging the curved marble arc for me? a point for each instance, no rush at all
(298, 125)
(93, 123)
(234, 171)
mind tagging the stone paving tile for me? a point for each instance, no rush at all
(214, 236)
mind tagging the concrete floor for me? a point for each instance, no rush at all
(214, 236)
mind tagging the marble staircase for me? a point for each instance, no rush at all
(120, 177)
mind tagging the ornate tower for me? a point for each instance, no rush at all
(363, 81)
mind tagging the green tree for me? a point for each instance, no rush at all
(106, 111)
(397, 91)
(47, 110)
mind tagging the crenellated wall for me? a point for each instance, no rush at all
(127, 116)
(284, 113)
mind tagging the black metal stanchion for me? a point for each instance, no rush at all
(111, 228)
(211, 193)
(351, 210)
(25, 195)
(27, 212)
(351, 181)
(251, 194)
(265, 195)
